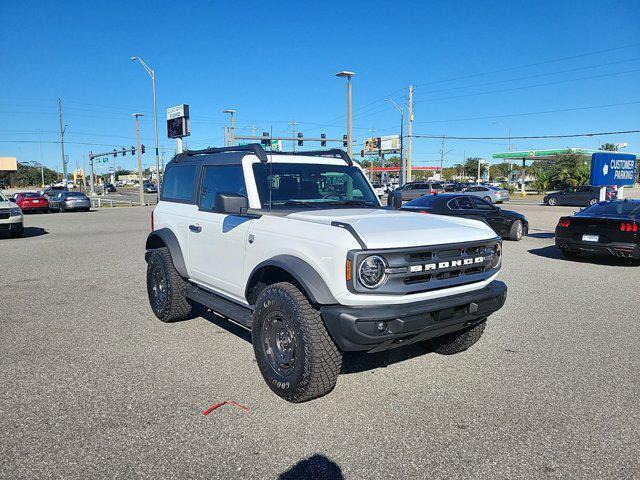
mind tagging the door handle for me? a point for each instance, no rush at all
(195, 228)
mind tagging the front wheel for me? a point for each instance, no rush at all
(593, 201)
(17, 231)
(552, 201)
(457, 342)
(517, 231)
(295, 354)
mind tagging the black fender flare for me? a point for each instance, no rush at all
(308, 278)
(166, 237)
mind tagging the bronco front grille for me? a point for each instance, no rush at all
(419, 269)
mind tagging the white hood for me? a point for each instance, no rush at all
(393, 229)
(7, 204)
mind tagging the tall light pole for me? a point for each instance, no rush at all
(346, 74)
(232, 134)
(140, 179)
(152, 74)
(403, 172)
(62, 130)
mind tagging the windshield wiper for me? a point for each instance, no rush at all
(354, 202)
(299, 203)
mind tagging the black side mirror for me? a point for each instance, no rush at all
(231, 203)
(395, 200)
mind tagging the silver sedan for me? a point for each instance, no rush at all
(65, 201)
(490, 194)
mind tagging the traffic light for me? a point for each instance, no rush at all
(300, 142)
(142, 149)
(133, 150)
(323, 142)
(362, 153)
(265, 139)
(115, 153)
(124, 151)
(344, 141)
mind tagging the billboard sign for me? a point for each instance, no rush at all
(390, 143)
(8, 164)
(178, 121)
(613, 169)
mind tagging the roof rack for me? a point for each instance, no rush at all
(254, 148)
(333, 152)
(259, 151)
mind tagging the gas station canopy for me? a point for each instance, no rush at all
(548, 154)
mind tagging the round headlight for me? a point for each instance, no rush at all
(371, 272)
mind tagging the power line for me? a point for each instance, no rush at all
(528, 137)
(545, 62)
(488, 117)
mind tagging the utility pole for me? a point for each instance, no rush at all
(232, 136)
(140, 180)
(441, 156)
(293, 133)
(62, 130)
(409, 133)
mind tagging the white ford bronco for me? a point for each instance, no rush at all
(297, 248)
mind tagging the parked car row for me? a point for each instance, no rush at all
(413, 190)
(579, 196)
(51, 200)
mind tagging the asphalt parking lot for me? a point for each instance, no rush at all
(94, 386)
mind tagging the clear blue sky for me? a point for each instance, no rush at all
(478, 67)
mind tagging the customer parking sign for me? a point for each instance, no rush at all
(613, 169)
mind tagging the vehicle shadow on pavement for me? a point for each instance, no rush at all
(542, 235)
(554, 253)
(313, 468)
(34, 232)
(357, 362)
(225, 324)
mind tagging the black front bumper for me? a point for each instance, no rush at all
(617, 249)
(355, 328)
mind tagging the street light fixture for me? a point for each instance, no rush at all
(233, 135)
(347, 74)
(152, 74)
(403, 171)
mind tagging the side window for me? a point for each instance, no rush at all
(584, 189)
(220, 179)
(472, 189)
(178, 183)
(482, 205)
(464, 203)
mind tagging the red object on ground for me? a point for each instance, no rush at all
(219, 404)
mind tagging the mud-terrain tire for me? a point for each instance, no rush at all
(457, 342)
(166, 288)
(294, 351)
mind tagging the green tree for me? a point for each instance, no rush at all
(610, 147)
(500, 170)
(471, 167)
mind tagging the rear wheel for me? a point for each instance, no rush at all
(295, 354)
(457, 342)
(488, 199)
(166, 288)
(517, 231)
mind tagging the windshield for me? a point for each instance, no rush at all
(613, 209)
(314, 185)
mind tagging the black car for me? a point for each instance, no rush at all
(507, 224)
(53, 191)
(108, 187)
(606, 227)
(149, 187)
(578, 197)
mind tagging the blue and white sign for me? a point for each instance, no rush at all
(613, 169)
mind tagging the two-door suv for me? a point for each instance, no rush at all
(297, 248)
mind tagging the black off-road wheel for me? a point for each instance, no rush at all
(457, 342)
(166, 288)
(295, 354)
